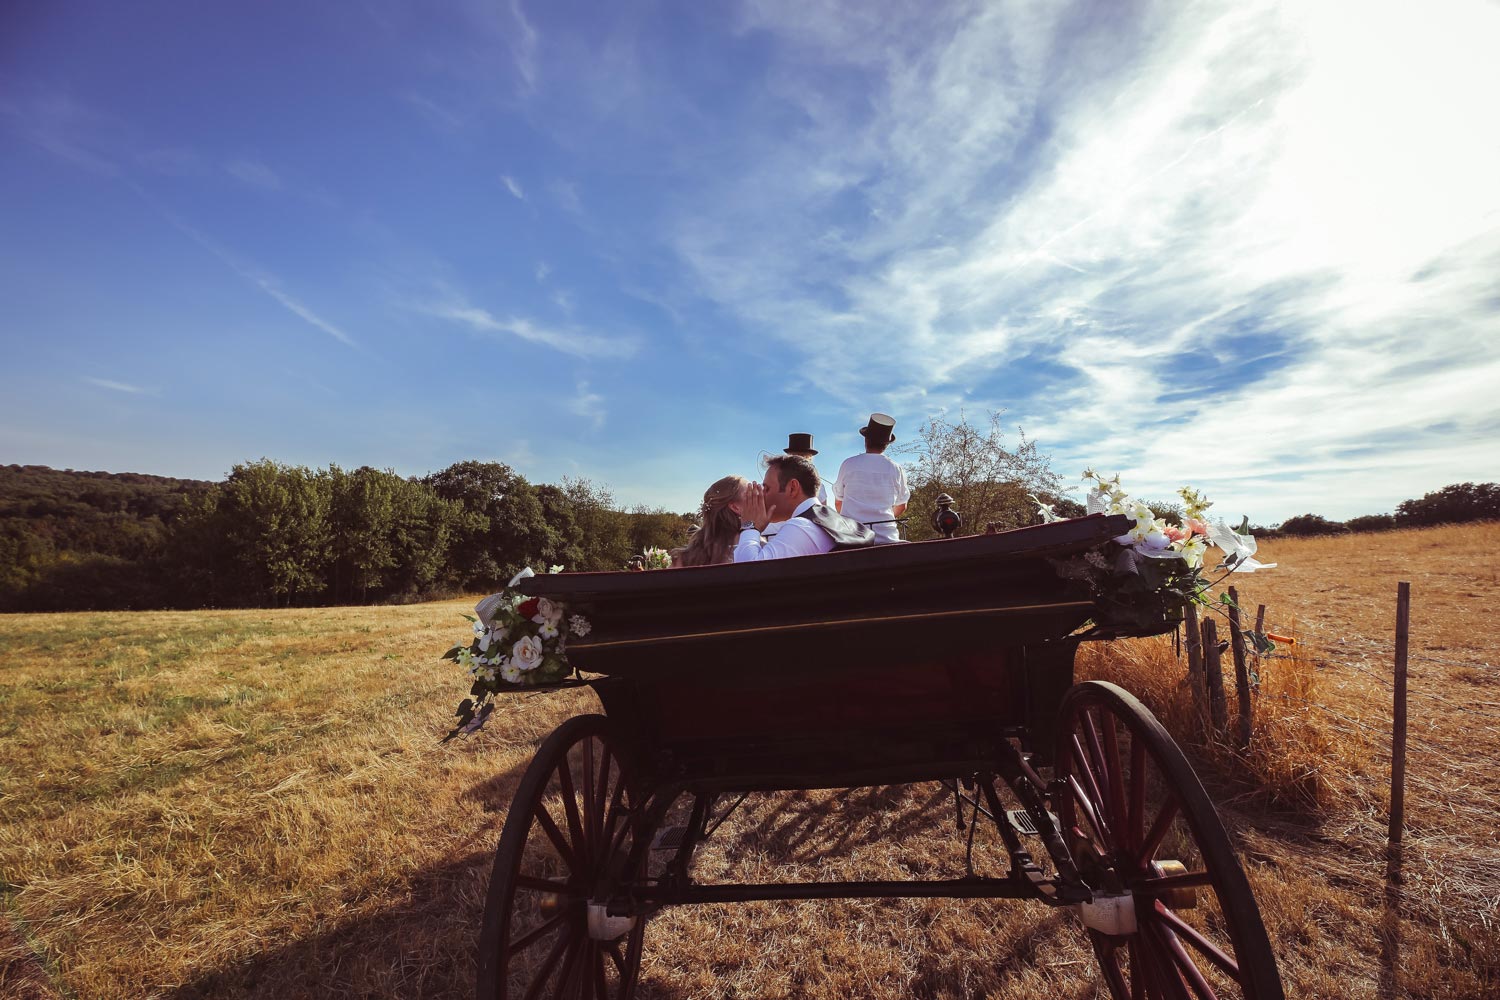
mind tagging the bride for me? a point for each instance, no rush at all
(714, 541)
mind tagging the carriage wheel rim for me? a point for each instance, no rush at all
(568, 833)
(1138, 822)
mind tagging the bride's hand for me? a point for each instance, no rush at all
(752, 506)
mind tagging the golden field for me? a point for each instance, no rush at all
(255, 804)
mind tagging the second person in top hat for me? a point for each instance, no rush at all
(801, 445)
(871, 488)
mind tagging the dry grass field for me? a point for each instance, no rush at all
(255, 804)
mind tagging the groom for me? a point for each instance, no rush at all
(789, 496)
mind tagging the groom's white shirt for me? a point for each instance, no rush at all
(796, 536)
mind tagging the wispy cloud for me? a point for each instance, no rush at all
(1078, 217)
(513, 186)
(254, 173)
(436, 114)
(105, 383)
(260, 279)
(569, 341)
(565, 193)
(589, 405)
(66, 129)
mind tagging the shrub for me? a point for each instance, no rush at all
(1310, 524)
(1371, 522)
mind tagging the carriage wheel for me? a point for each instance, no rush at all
(1173, 916)
(566, 843)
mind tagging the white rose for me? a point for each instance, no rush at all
(527, 654)
(547, 612)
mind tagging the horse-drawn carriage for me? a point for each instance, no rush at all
(947, 661)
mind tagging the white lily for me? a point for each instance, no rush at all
(1238, 549)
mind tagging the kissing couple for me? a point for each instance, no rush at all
(774, 519)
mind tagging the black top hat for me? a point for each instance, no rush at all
(800, 443)
(882, 427)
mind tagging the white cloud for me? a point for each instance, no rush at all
(569, 341)
(105, 383)
(254, 173)
(1120, 198)
(565, 193)
(265, 282)
(589, 405)
(513, 186)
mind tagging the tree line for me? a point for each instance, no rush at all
(274, 535)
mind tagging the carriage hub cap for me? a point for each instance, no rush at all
(603, 927)
(1109, 913)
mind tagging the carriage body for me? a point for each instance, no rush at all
(840, 669)
(948, 660)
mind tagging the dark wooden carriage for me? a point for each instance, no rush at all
(948, 661)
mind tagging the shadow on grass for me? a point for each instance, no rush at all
(423, 947)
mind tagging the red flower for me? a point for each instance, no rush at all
(527, 608)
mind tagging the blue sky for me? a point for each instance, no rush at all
(1250, 246)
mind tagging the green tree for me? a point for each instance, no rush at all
(505, 528)
(988, 481)
(275, 519)
(1371, 522)
(1453, 504)
(1310, 524)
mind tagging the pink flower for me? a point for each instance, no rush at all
(1195, 526)
(1173, 534)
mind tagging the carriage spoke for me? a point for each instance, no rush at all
(1137, 786)
(564, 941)
(537, 884)
(602, 790)
(1127, 833)
(571, 966)
(1137, 972)
(538, 932)
(1191, 935)
(1109, 964)
(570, 807)
(591, 815)
(1100, 767)
(1101, 829)
(1170, 979)
(1087, 770)
(1188, 967)
(600, 984)
(1155, 887)
(545, 821)
(1158, 832)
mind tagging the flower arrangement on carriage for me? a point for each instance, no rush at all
(948, 661)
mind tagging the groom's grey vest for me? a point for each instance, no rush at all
(846, 532)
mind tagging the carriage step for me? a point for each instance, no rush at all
(668, 838)
(1021, 821)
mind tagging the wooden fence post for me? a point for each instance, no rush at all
(1213, 676)
(1398, 737)
(1241, 670)
(1194, 642)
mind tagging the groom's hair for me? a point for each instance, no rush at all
(789, 467)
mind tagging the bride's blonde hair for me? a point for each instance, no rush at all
(713, 541)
